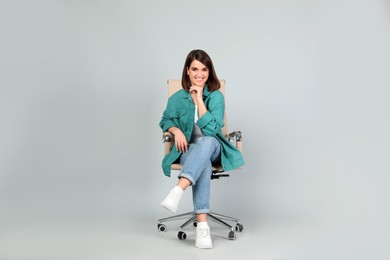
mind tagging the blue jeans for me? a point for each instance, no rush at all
(197, 168)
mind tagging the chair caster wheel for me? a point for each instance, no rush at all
(181, 235)
(239, 227)
(195, 224)
(232, 235)
(161, 227)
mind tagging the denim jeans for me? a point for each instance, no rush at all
(197, 168)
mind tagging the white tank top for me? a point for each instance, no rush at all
(197, 134)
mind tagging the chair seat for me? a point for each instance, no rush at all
(178, 167)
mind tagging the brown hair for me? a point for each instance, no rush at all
(201, 56)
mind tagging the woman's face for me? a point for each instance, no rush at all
(198, 73)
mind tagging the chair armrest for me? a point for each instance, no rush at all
(236, 136)
(167, 137)
(168, 141)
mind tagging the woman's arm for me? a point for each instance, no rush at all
(169, 123)
(211, 117)
(180, 139)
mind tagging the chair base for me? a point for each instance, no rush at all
(215, 217)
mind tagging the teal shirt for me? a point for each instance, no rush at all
(180, 112)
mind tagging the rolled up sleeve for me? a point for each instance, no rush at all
(211, 122)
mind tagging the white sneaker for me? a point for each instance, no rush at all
(171, 201)
(203, 238)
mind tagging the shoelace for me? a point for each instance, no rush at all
(204, 232)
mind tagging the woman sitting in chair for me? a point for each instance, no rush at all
(195, 116)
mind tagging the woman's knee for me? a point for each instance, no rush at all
(210, 140)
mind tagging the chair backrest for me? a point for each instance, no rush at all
(175, 85)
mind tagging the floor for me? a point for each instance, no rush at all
(126, 240)
(135, 237)
(68, 217)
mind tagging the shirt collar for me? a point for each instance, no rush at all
(206, 93)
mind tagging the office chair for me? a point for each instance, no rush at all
(217, 172)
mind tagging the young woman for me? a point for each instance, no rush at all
(194, 115)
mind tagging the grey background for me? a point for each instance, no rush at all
(82, 89)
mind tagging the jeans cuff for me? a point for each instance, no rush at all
(202, 211)
(187, 176)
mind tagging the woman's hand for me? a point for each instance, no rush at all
(180, 139)
(199, 99)
(198, 90)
